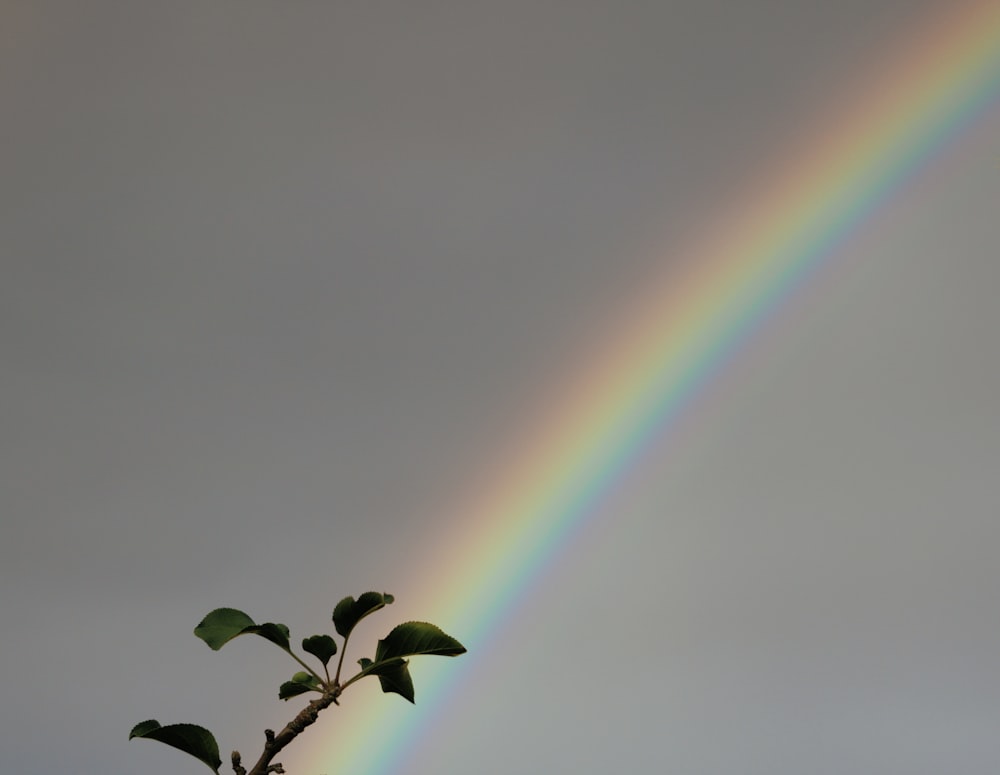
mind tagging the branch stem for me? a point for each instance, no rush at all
(277, 742)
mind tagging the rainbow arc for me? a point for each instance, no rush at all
(936, 80)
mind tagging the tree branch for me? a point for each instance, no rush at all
(276, 742)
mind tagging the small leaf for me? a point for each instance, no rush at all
(414, 638)
(323, 647)
(145, 727)
(190, 738)
(301, 683)
(291, 689)
(395, 678)
(224, 624)
(350, 611)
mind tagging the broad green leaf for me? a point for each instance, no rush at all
(395, 677)
(276, 633)
(301, 683)
(414, 638)
(323, 647)
(393, 674)
(190, 738)
(221, 626)
(224, 624)
(350, 611)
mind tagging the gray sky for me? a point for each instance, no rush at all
(280, 281)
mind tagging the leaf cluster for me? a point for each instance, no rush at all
(390, 665)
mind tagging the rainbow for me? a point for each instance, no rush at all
(937, 79)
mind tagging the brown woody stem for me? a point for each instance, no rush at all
(276, 742)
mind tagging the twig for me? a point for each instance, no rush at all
(276, 742)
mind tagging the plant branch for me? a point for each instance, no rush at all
(276, 742)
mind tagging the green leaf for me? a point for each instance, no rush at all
(350, 611)
(323, 647)
(221, 626)
(224, 624)
(303, 677)
(392, 674)
(276, 633)
(395, 678)
(414, 638)
(301, 683)
(190, 738)
(407, 639)
(291, 689)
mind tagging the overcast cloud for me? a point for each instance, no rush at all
(280, 278)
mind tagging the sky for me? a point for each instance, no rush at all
(289, 286)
